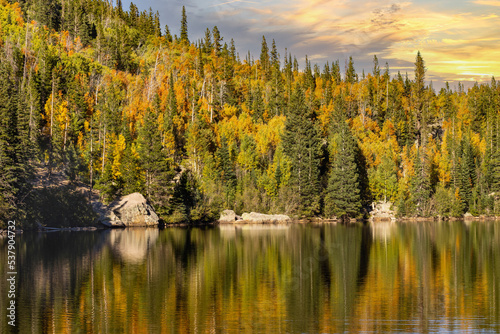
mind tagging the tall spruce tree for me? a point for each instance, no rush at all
(158, 169)
(420, 110)
(343, 198)
(420, 187)
(467, 175)
(226, 172)
(9, 164)
(184, 27)
(302, 144)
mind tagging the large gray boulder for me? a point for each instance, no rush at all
(260, 218)
(130, 210)
(228, 217)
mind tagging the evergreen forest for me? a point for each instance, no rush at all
(114, 103)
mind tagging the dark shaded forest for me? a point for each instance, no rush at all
(107, 98)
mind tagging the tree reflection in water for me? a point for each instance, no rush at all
(293, 278)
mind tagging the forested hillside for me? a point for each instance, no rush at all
(113, 100)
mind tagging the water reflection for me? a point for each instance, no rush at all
(425, 277)
(132, 245)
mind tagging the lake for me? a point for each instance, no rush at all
(401, 277)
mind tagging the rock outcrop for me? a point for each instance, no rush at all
(130, 210)
(256, 218)
(228, 217)
(382, 212)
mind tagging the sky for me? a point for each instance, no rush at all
(459, 40)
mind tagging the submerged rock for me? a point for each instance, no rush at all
(130, 210)
(254, 217)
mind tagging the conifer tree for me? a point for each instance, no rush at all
(264, 59)
(168, 35)
(217, 40)
(227, 173)
(467, 175)
(302, 144)
(419, 99)
(158, 169)
(343, 198)
(184, 27)
(9, 160)
(350, 73)
(420, 188)
(207, 43)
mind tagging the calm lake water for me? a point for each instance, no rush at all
(402, 277)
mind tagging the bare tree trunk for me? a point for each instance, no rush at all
(153, 76)
(104, 150)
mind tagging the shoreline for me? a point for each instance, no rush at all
(305, 221)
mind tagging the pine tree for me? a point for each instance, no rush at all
(350, 73)
(343, 198)
(207, 43)
(217, 40)
(226, 172)
(158, 169)
(264, 59)
(168, 35)
(420, 188)
(302, 144)
(419, 100)
(9, 162)
(467, 175)
(184, 27)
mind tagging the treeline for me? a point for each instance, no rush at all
(114, 101)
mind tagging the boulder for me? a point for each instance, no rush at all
(227, 216)
(468, 216)
(256, 218)
(130, 210)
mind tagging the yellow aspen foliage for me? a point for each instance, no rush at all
(442, 160)
(228, 128)
(245, 125)
(61, 116)
(324, 117)
(229, 111)
(80, 142)
(118, 149)
(478, 142)
(406, 170)
(269, 135)
(169, 143)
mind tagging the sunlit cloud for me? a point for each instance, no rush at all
(452, 42)
(458, 40)
(487, 2)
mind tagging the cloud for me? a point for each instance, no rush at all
(454, 37)
(396, 31)
(233, 1)
(495, 3)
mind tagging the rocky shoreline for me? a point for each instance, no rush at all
(230, 217)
